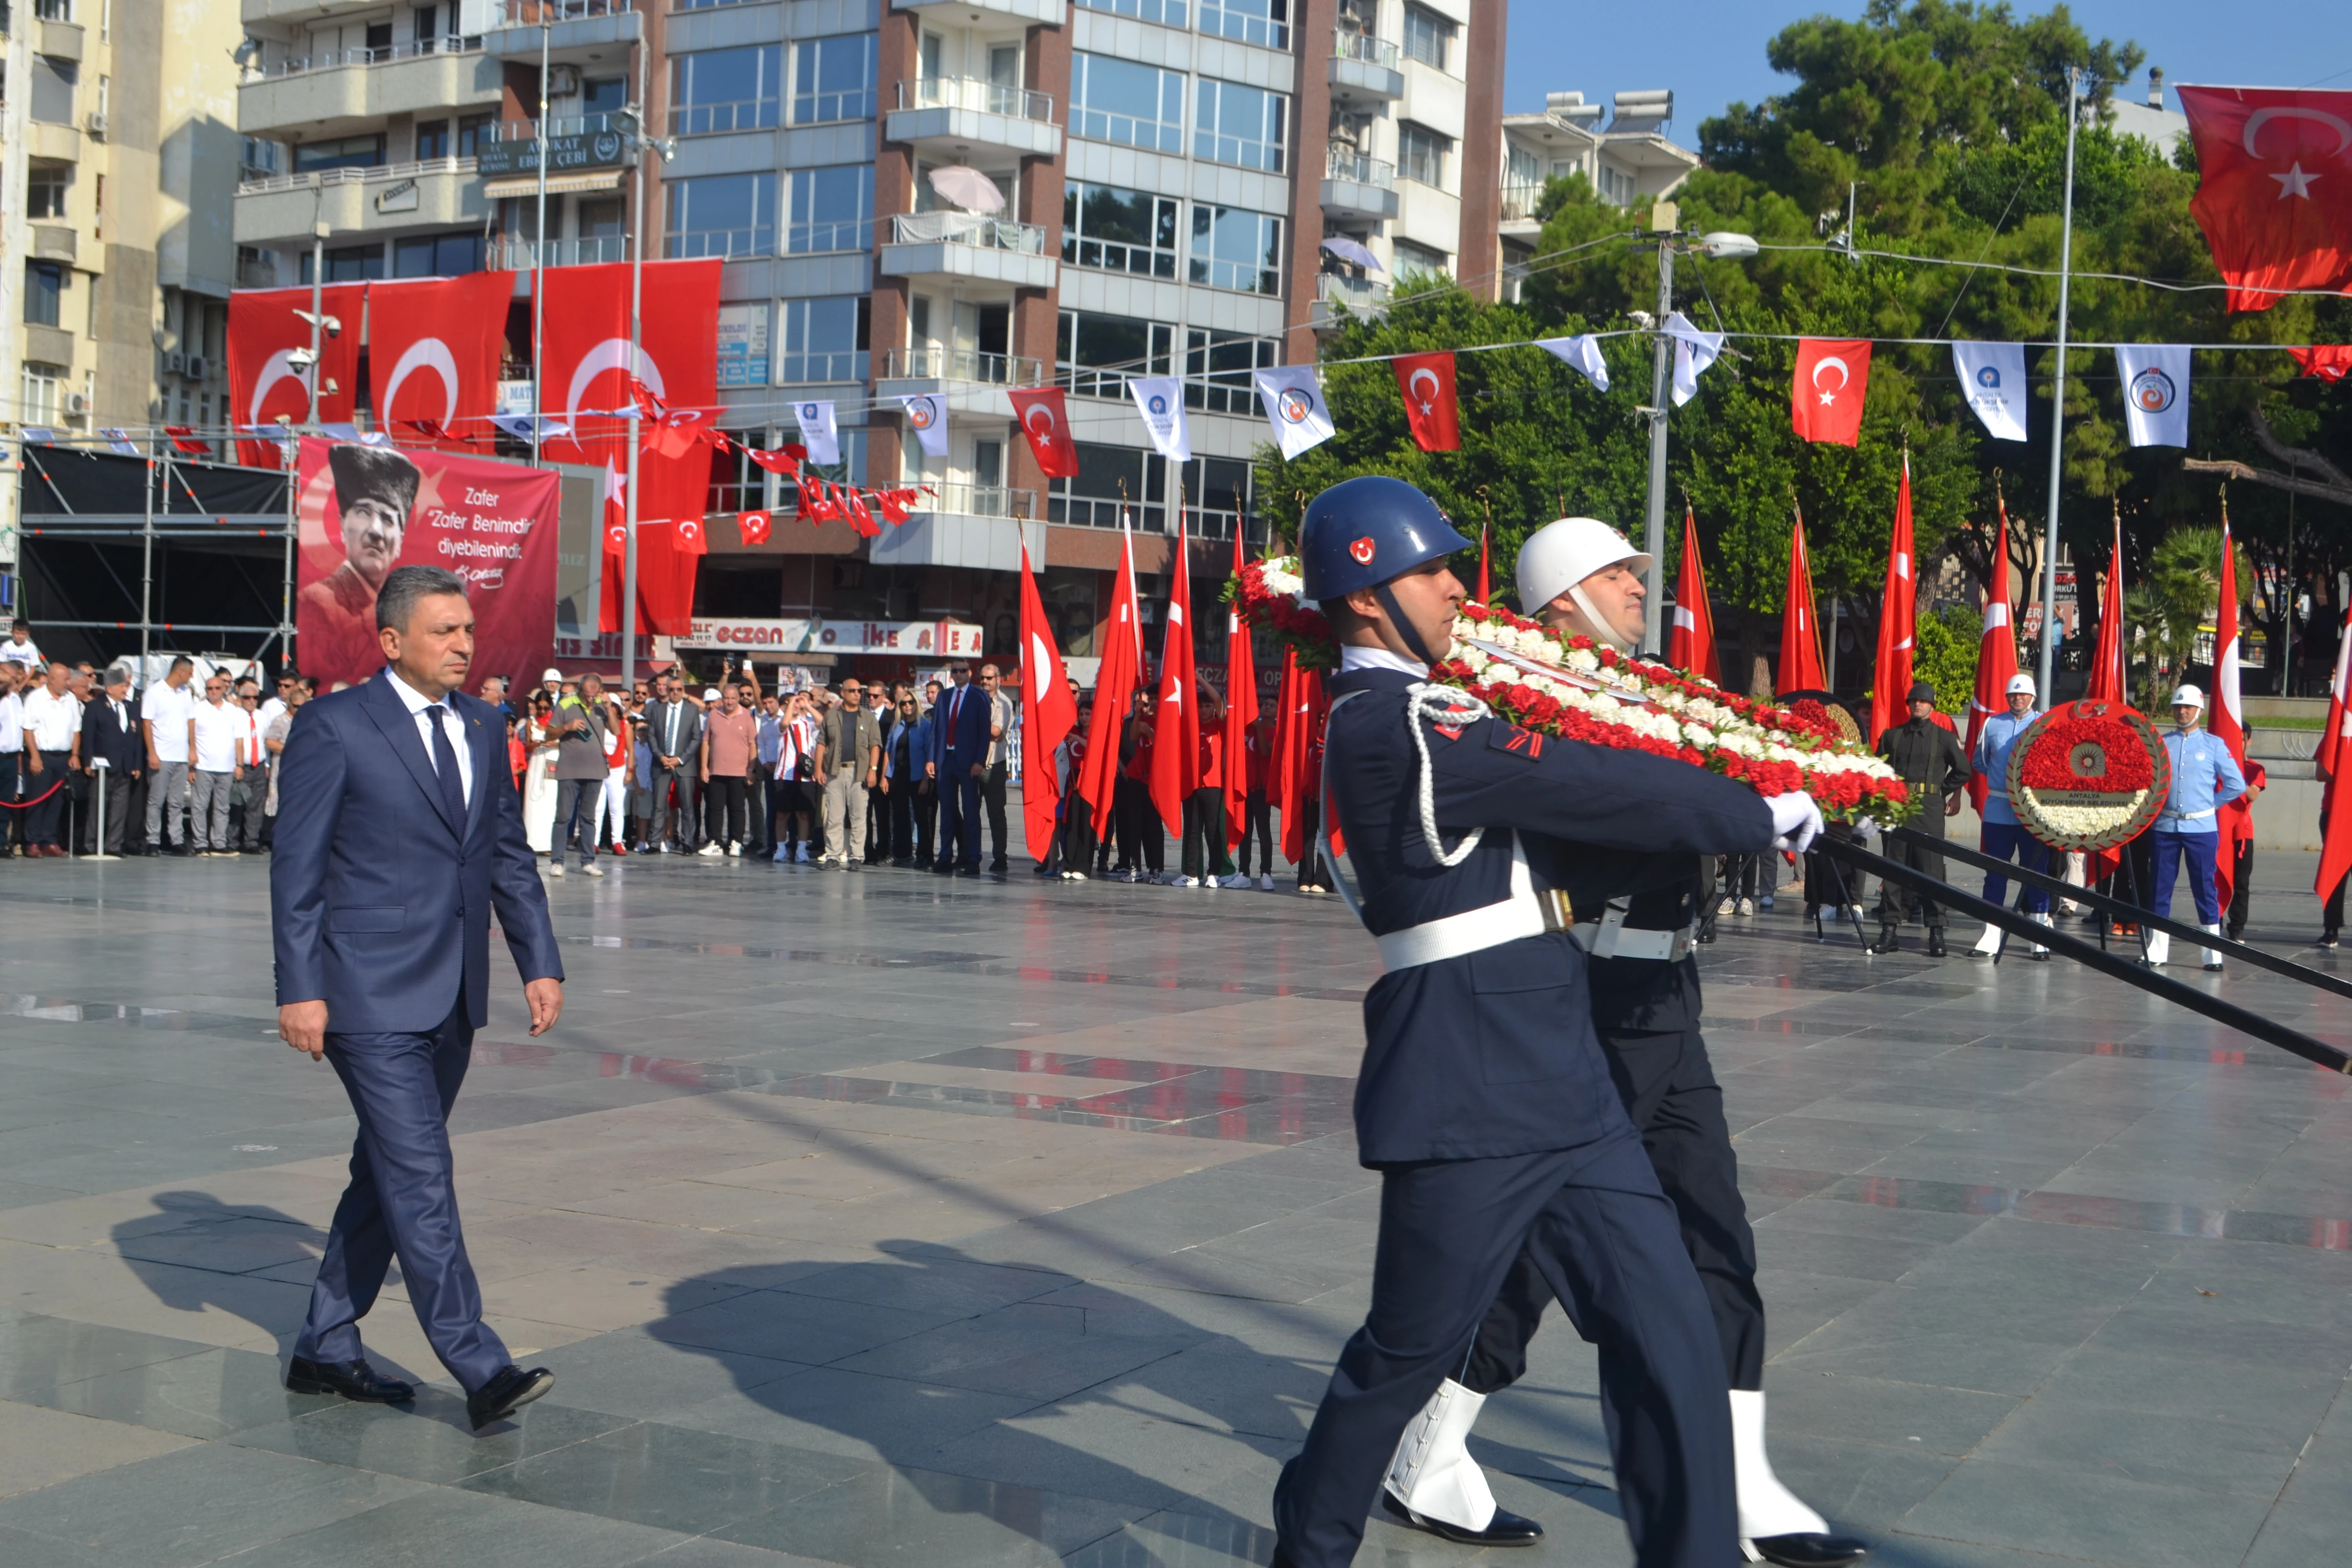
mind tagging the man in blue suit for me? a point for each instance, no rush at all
(397, 838)
(960, 725)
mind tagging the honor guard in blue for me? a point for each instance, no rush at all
(1580, 575)
(1484, 1101)
(2205, 777)
(2003, 836)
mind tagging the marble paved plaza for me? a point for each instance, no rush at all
(869, 1218)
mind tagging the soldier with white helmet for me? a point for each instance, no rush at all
(2003, 836)
(2205, 777)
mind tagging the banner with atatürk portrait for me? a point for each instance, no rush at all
(362, 509)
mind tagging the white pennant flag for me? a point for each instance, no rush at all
(1694, 352)
(2156, 393)
(1581, 353)
(1295, 408)
(1161, 400)
(926, 414)
(1992, 378)
(817, 433)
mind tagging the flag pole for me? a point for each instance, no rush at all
(2058, 394)
(636, 332)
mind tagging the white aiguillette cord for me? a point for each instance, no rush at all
(1421, 700)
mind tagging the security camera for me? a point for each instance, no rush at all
(300, 359)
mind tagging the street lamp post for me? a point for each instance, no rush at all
(660, 147)
(2058, 394)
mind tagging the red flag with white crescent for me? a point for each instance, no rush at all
(1176, 714)
(1826, 393)
(1045, 417)
(1801, 638)
(755, 526)
(1691, 645)
(2227, 719)
(432, 354)
(1898, 613)
(1297, 775)
(2274, 187)
(1120, 639)
(1048, 713)
(1241, 712)
(1427, 383)
(264, 332)
(1996, 657)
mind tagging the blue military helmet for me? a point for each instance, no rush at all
(1363, 531)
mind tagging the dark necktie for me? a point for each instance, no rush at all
(445, 763)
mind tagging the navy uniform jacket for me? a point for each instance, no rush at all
(379, 904)
(1492, 1053)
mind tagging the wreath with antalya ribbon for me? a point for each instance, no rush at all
(1578, 690)
(2088, 776)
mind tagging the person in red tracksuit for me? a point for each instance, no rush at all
(1206, 861)
(1257, 821)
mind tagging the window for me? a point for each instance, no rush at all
(831, 208)
(1109, 479)
(1119, 100)
(1167, 13)
(1411, 257)
(1218, 497)
(1428, 36)
(46, 185)
(1616, 185)
(353, 264)
(1237, 124)
(1097, 353)
(824, 339)
(44, 289)
(1252, 21)
(53, 10)
(431, 140)
(473, 130)
(1235, 248)
(1118, 230)
(437, 256)
(1422, 153)
(725, 89)
(44, 385)
(602, 219)
(833, 78)
(1217, 367)
(98, 212)
(256, 267)
(348, 152)
(53, 90)
(89, 322)
(722, 215)
(601, 95)
(259, 159)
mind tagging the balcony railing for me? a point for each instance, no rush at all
(939, 362)
(326, 177)
(962, 229)
(518, 255)
(1338, 163)
(1362, 296)
(1347, 44)
(532, 12)
(981, 500)
(1519, 201)
(981, 97)
(557, 125)
(383, 54)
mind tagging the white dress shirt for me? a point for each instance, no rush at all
(1356, 656)
(416, 702)
(220, 736)
(53, 721)
(12, 724)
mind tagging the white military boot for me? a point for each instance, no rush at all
(1434, 1484)
(2212, 955)
(1990, 943)
(2159, 949)
(1775, 1524)
(2039, 950)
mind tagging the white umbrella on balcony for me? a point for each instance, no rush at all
(968, 188)
(1347, 249)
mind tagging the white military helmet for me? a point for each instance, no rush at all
(1560, 555)
(2020, 682)
(2188, 696)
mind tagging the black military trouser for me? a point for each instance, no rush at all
(1897, 904)
(1593, 1224)
(1669, 1090)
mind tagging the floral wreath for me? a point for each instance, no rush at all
(2089, 774)
(1272, 593)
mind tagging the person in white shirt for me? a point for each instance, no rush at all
(252, 794)
(19, 648)
(52, 720)
(217, 735)
(12, 756)
(165, 713)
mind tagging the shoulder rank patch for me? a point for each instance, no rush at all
(1502, 737)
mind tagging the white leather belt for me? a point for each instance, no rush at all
(1608, 937)
(1525, 913)
(2185, 815)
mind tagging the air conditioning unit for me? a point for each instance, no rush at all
(198, 367)
(76, 403)
(562, 81)
(175, 365)
(96, 123)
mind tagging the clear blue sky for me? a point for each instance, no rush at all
(1711, 52)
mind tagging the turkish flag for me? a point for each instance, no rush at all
(1045, 417)
(688, 534)
(1898, 614)
(1120, 639)
(2275, 187)
(1996, 657)
(1176, 716)
(591, 369)
(1048, 713)
(2105, 681)
(1298, 778)
(1825, 396)
(754, 525)
(2329, 361)
(263, 330)
(2226, 710)
(1801, 640)
(1691, 645)
(1427, 383)
(861, 516)
(1241, 712)
(433, 356)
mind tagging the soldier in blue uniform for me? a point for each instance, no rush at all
(1578, 575)
(1485, 1099)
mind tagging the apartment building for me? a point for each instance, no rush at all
(1628, 159)
(117, 143)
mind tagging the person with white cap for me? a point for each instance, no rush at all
(2205, 777)
(2003, 836)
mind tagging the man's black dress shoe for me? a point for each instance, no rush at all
(1506, 1529)
(1936, 942)
(1809, 1551)
(506, 1394)
(352, 1379)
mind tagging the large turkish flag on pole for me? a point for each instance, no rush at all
(1047, 715)
(1800, 640)
(2275, 187)
(432, 357)
(1045, 417)
(2227, 719)
(2106, 682)
(1899, 615)
(1120, 643)
(1298, 780)
(1241, 712)
(1996, 655)
(1691, 645)
(1176, 716)
(1825, 395)
(1427, 383)
(263, 330)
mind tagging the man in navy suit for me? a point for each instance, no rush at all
(397, 838)
(962, 721)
